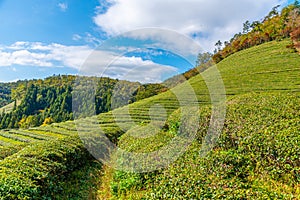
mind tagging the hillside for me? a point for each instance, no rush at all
(49, 100)
(262, 87)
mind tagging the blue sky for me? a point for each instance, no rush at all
(41, 38)
(46, 21)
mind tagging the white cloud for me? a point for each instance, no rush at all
(18, 45)
(90, 39)
(168, 40)
(211, 20)
(41, 55)
(86, 60)
(87, 38)
(136, 69)
(110, 64)
(63, 6)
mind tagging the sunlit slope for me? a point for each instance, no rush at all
(256, 156)
(268, 67)
(265, 68)
(262, 86)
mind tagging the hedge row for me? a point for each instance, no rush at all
(33, 172)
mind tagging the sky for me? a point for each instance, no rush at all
(146, 41)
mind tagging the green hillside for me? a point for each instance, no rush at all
(263, 85)
(257, 155)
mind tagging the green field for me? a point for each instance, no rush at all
(257, 155)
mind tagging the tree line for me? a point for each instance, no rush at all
(275, 26)
(50, 100)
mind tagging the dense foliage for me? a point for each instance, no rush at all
(257, 156)
(5, 93)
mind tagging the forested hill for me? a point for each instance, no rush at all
(275, 26)
(46, 101)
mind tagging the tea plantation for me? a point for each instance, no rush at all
(256, 156)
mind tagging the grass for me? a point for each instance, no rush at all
(8, 150)
(268, 67)
(39, 170)
(30, 134)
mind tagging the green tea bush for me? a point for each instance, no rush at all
(9, 150)
(257, 155)
(33, 172)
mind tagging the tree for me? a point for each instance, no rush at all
(296, 4)
(217, 57)
(203, 58)
(235, 37)
(272, 13)
(256, 26)
(246, 27)
(219, 45)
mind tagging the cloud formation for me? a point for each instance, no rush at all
(207, 21)
(42, 55)
(110, 64)
(84, 59)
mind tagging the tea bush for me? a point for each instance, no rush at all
(33, 172)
